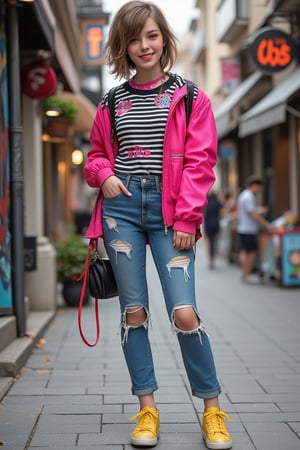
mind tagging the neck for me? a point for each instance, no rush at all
(143, 77)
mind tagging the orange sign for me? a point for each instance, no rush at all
(272, 50)
(92, 41)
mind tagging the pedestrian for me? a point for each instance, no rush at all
(212, 215)
(250, 218)
(154, 184)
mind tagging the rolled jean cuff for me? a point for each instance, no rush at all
(144, 390)
(207, 394)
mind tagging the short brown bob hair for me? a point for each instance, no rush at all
(128, 23)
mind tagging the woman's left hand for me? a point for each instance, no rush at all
(183, 241)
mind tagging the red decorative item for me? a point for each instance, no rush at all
(38, 80)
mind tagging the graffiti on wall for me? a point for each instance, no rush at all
(5, 262)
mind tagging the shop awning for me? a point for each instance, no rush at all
(271, 110)
(87, 110)
(36, 26)
(223, 113)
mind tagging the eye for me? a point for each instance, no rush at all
(153, 36)
(133, 40)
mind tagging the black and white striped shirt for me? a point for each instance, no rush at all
(140, 121)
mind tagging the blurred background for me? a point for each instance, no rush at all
(244, 55)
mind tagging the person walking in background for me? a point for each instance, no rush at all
(212, 214)
(153, 187)
(250, 218)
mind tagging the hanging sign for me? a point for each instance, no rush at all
(231, 74)
(227, 149)
(38, 80)
(92, 40)
(272, 50)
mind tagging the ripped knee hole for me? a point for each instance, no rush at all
(186, 318)
(135, 315)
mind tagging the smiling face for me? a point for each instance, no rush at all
(145, 51)
(294, 258)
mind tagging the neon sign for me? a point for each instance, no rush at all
(272, 50)
(92, 41)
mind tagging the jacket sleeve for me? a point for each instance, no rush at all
(100, 159)
(200, 158)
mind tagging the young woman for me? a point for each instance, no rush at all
(154, 180)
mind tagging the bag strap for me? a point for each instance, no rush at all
(93, 244)
(112, 112)
(188, 100)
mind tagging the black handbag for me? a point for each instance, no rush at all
(99, 279)
(101, 283)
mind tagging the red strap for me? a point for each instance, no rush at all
(92, 244)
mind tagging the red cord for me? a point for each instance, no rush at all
(92, 244)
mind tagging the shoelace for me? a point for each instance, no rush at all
(144, 419)
(215, 422)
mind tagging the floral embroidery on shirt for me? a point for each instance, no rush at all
(138, 152)
(123, 107)
(162, 100)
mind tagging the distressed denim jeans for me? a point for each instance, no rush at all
(130, 223)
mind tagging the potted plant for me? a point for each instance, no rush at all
(70, 258)
(65, 111)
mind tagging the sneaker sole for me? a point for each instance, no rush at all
(143, 442)
(216, 445)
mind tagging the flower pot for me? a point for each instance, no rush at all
(58, 127)
(71, 293)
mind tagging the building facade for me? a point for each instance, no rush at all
(257, 106)
(36, 169)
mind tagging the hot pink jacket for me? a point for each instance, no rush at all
(189, 155)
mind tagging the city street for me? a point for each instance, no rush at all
(69, 396)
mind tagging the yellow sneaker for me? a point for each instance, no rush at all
(146, 431)
(214, 430)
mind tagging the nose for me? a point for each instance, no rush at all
(144, 43)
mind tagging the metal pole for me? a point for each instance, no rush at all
(16, 162)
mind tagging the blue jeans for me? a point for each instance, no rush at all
(130, 223)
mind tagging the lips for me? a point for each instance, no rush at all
(146, 57)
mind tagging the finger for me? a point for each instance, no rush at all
(125, 190)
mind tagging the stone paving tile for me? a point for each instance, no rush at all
(270, 417)
(6, 446)
(264, 398)
(80, 409)
(68, 424)
(255, 407)
(53, 439)
(295, 426)
(15, 438)
(119, 436)
(77, 447)
(254, 426)
(275, 440)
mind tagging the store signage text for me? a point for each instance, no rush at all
(272, 50)
(38, 80)
(92, 41)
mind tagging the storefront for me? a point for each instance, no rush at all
(227, 118)
(278, 115)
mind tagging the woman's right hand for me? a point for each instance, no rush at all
(112, 187)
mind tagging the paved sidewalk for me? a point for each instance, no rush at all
(72, 397)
